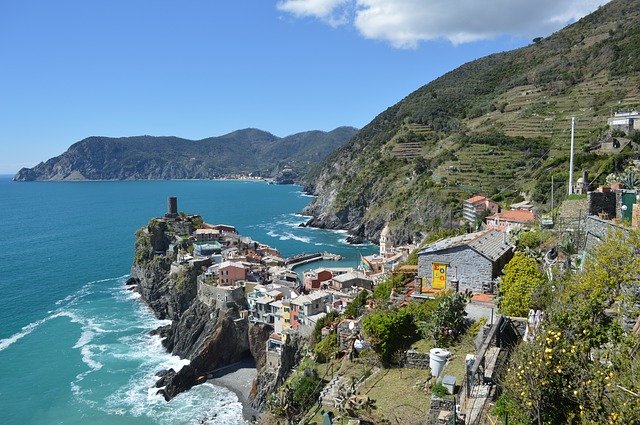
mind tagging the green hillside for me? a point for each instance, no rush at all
(242, 152)
(499, 125)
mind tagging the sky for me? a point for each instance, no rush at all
(70, 69)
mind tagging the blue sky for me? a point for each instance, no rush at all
(71, 69)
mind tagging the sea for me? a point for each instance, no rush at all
(74, 344)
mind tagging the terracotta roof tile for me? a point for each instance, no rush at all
(476, 198)
(520, 216)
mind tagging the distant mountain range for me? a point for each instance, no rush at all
(498, 126)
(242, 152)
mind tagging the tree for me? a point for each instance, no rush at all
(583, 367)
(521, 279)
(446, 322)
(355, 307)
(389, 332)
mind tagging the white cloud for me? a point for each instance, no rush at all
(329, 11)
(405, 23)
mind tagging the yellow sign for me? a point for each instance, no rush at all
(439, 276)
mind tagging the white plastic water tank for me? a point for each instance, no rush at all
(437, 359)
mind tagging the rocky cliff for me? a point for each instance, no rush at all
(497, 126)
(209, 336)
(148, 157)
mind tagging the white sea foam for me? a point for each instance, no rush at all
(289, 235)
(87, 358)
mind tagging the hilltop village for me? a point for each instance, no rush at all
(449, 317)
(324, 326)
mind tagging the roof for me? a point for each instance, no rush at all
(488, 243)
(526, 205)
(350, 276)
(231, 264)
(477, 198)
(207, 231)
(516, 216)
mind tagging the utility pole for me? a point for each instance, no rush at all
(552, 214)
(573, 125)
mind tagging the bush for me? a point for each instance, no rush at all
(321, 323)
(327, 348)
(522, 278)
(389, 332)
(355, 307)
(439, 390)
(446, 323)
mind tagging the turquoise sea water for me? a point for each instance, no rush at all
(74, 345)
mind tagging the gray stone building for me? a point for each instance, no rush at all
(467, 262)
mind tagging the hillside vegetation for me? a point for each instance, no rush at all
(499, 125)
(243, 152)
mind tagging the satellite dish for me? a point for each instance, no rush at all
(351, 326)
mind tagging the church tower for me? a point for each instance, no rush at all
(385, 243)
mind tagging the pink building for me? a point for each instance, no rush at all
(229, 272)
(474, 207)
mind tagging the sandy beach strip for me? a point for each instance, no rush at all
(238, 378)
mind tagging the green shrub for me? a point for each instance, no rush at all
(439, 390)
(389, 332)
(327, 348)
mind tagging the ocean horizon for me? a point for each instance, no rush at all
(75, 344)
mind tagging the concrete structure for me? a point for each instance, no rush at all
(220, 296)
(473, 208)
(625, 121)
(208, 248)
(206, 235)
(507, 220)
(373, 264)
(468, 262)
(351, 279)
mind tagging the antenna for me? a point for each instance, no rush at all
(573, 125)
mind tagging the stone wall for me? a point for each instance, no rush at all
(220, 295)
(417, 360)
(470, 268)
(597, 230)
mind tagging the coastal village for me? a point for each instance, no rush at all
(332, 302)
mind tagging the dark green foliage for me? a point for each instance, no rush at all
(389, 332)
(383, 289)
(144, 157)
(326, 348)
(356, 307)
(321, 323)
(306, 389)
(445, 323)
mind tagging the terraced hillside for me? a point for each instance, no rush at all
(499, 125)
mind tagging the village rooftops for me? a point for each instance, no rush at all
(231, 264)
(514, 216)
(490, 244)
(207, 232)
(353, 274)
(309, 299)
(476, 199)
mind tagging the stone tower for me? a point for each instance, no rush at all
(172, 207)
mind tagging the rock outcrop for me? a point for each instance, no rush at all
(209, 336)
